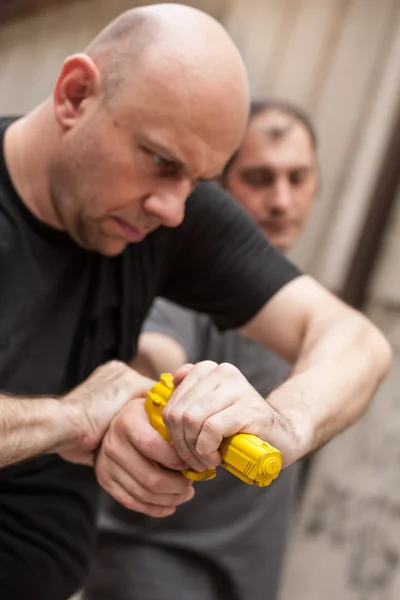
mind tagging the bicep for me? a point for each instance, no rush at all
(158, 353)
(283, 322)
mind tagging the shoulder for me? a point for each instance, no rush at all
(209, 209)
(213, 215)
(209, 200)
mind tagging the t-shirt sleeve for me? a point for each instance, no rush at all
(222, 264)
(178, 323)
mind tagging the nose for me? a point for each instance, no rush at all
(167, 203)
(281, 194)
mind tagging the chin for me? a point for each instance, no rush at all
(111, 248)
(280, 242)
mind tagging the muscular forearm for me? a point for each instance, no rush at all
(144, 365)
(33, 426)
(158, 353)
(72, 426)
(340, 365)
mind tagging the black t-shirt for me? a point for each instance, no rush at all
(63, 312)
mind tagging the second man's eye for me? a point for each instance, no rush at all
(258, 177)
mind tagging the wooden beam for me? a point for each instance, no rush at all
(370, 240)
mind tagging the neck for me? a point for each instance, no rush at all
(28, 145)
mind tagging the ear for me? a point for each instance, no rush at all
(78, 81)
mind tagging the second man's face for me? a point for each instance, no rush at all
(275, 176)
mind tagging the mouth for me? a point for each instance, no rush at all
(276, 226)
(130, 232)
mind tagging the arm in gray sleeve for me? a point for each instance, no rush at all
(181, 324)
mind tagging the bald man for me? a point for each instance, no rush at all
(95, 222)
(229, 541)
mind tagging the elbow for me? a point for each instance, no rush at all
(381, 351)
(386, 353)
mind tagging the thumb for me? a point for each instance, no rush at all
(149, 442)
(141, 384)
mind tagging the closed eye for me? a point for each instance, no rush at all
(258, 177)
(165, 167)
(299, 176)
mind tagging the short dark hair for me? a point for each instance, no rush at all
(258, 107)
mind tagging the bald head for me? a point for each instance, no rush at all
(170, 27)
(172, 43)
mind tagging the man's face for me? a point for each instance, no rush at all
(128, 166)
(274, 176)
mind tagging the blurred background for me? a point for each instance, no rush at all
(339, 60)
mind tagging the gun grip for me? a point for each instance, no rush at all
(156, 399)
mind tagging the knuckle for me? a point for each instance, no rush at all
(116, 365)
(154, 482)
(129, 375)
(122, 424)
(186, 456)
(228, 369)
(127, 501)
(206, 367)
(189, 419)
(104, 371)
(200, 452)
(112, 366)
(235, 421)
(210, 428)
(145, 444)
(121, 496)
(208, 363)
(172, 417)
(110, 447)
(139, 494)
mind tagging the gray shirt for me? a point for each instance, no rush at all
(228, 542)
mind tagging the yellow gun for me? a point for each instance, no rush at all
(255, 462)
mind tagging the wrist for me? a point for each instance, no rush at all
(68, 425)
(293, 430)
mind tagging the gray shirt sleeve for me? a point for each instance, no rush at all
(183, 325)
